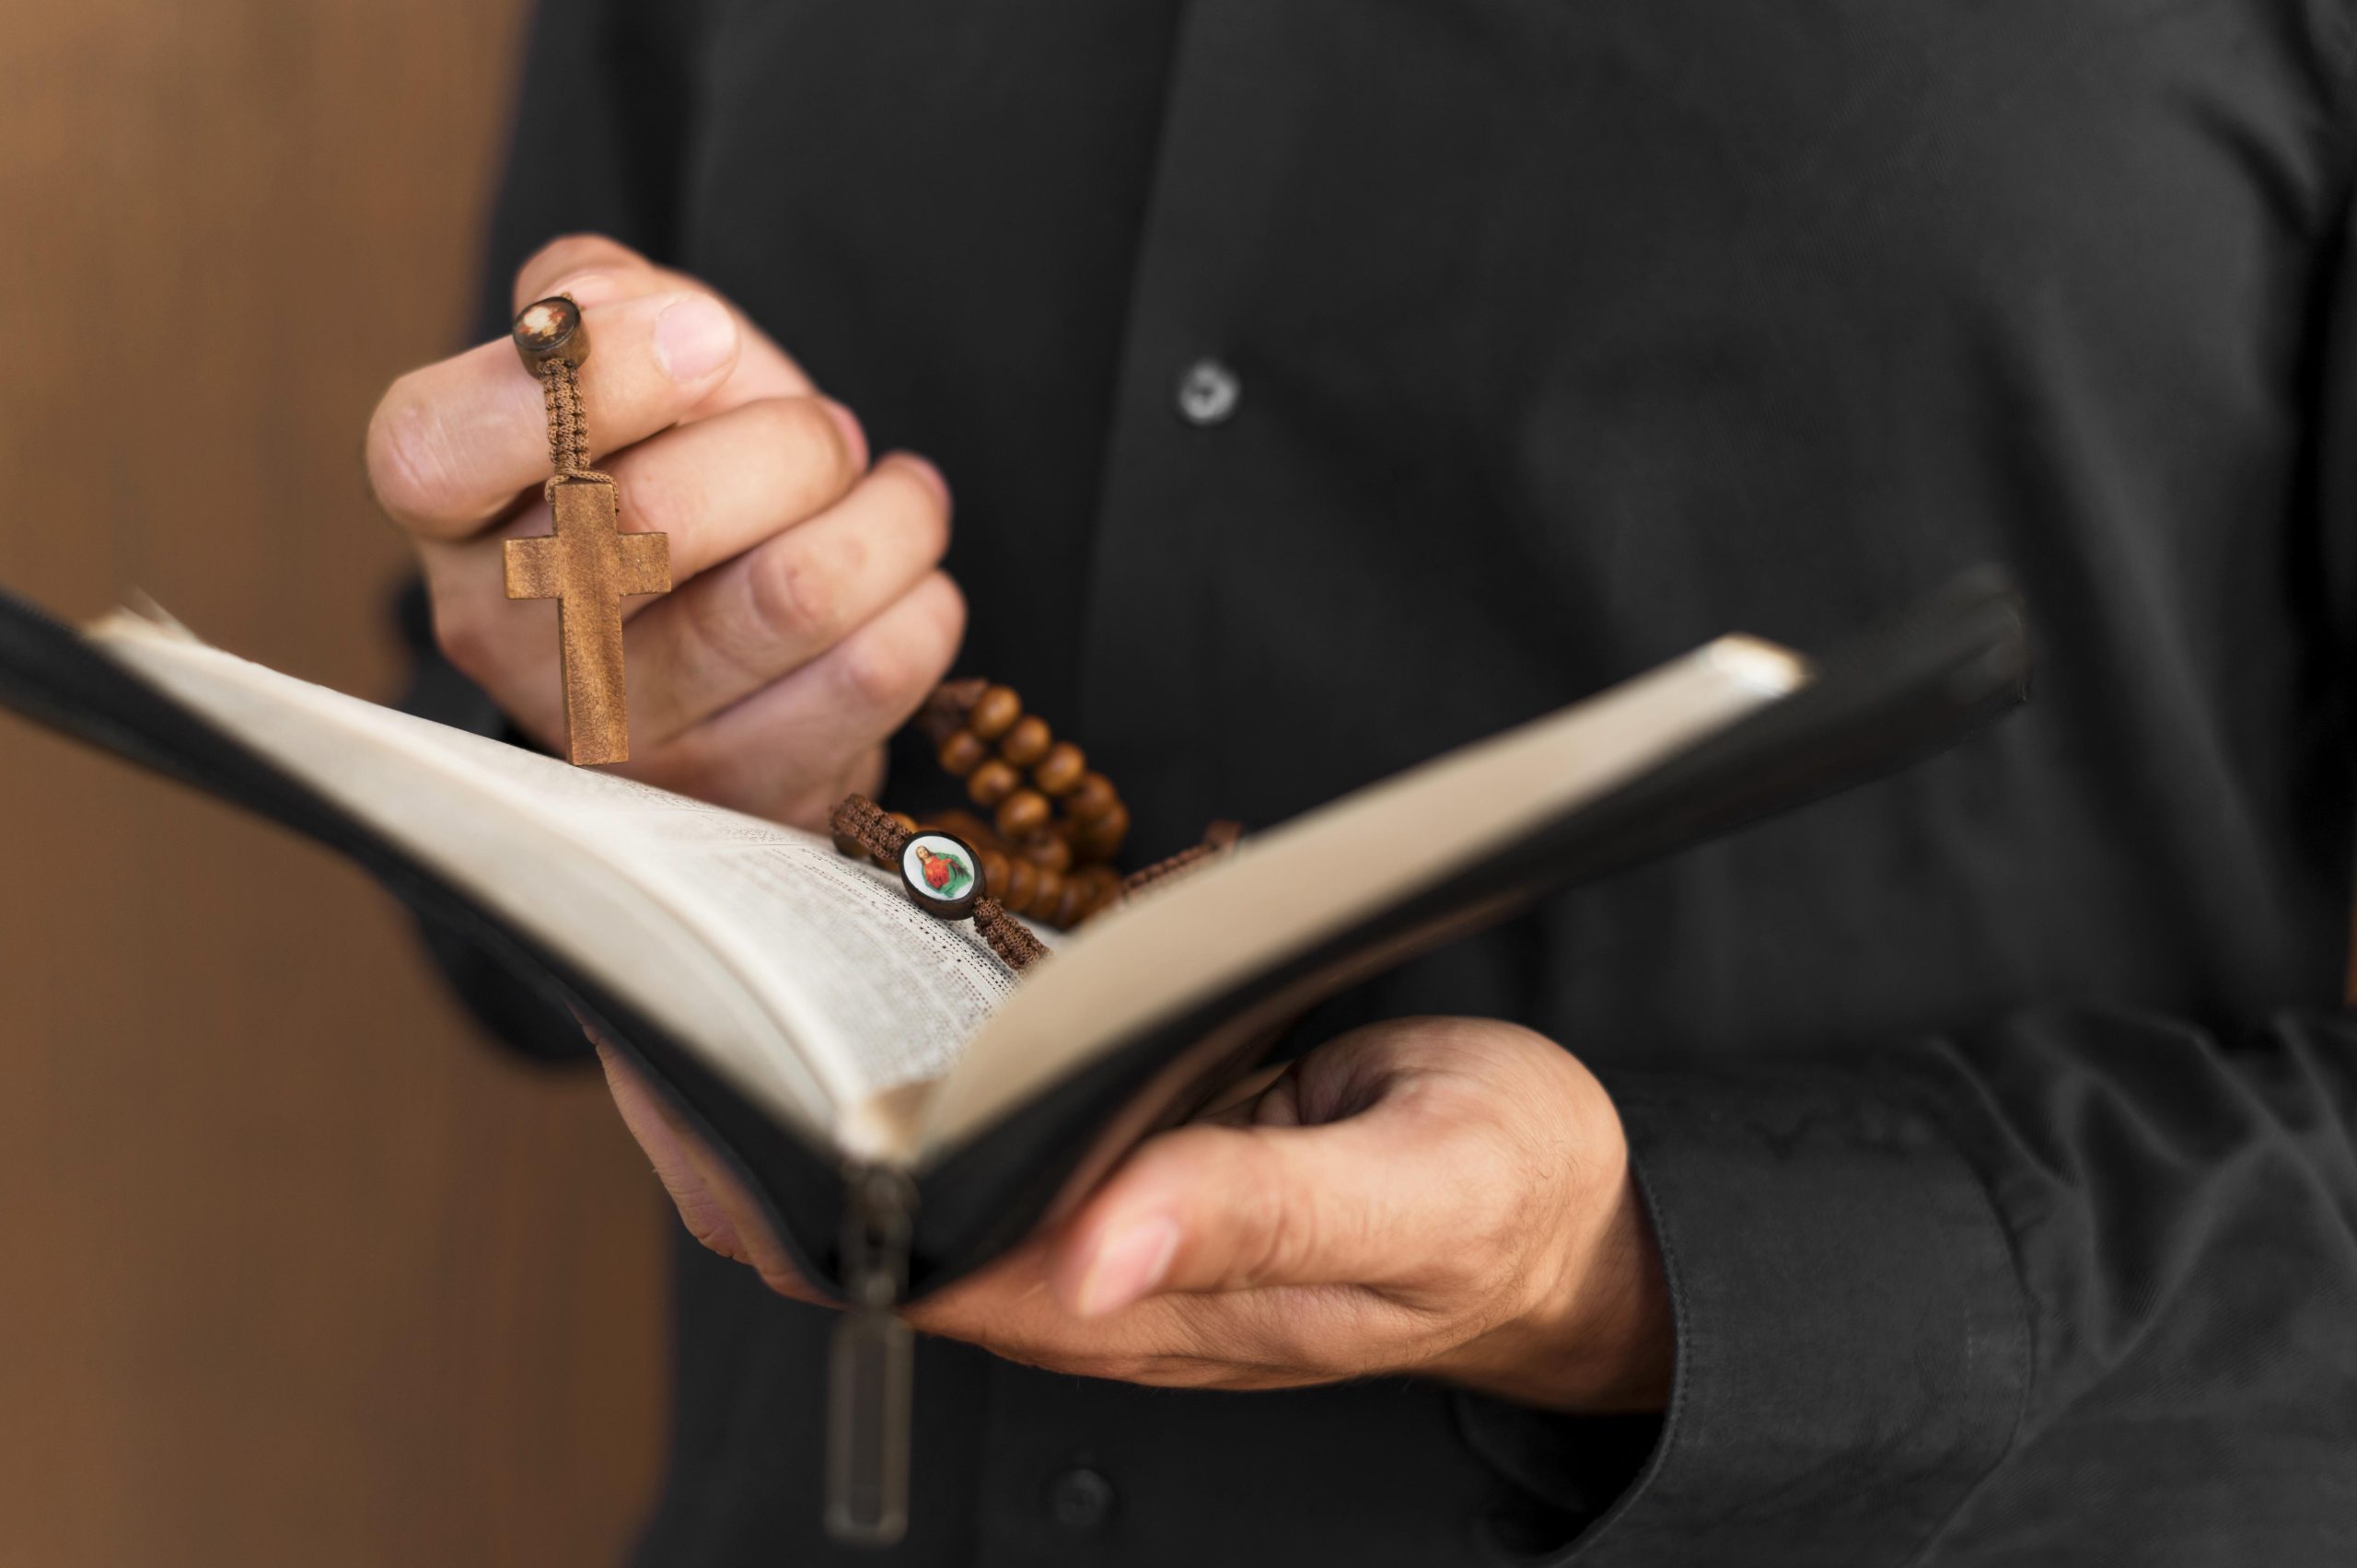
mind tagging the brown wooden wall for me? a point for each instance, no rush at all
(293, 1266)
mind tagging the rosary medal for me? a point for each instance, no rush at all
(588, 565)
(942, 874)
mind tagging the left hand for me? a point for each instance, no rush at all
(1449, 1197)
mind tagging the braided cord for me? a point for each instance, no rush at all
(868, 825)
(568, 422)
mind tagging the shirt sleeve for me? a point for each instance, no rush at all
(2085, 1257)
(1933, 1296)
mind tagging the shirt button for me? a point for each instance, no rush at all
(1207, 393)
(1080, 1500)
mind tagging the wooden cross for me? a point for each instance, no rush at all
(588, 565)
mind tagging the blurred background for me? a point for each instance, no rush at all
(294, 1266)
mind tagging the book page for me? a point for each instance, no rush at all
(808, 979)
(832, 944)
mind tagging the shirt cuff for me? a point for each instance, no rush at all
(1853, 1345)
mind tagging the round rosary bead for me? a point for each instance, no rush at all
(994, 870)
(1045, 894)
(549, 329)
(1092, 797)
(1022, 814)
(1102, 838)
(1051, 850)
(1072, 906)
(1022, 882)
(962, 752)
(974, 829)
(1060, 769)
(1028, 741)
(907, 823)
(994, 712)
(993, 782)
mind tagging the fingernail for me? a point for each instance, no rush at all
(1128, 1264)
(695, 337)
(854, 437)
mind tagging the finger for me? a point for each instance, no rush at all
(712, 1202)
(714, 488)
(595, 270)
(609, 269)
(1258, 1338)
(1209, 1207)
(450, 445)
(775, 607)
(779, 752)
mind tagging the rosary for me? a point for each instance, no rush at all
(1046, 851)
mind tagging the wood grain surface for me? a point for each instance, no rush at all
(588, 566)
(294, 1266)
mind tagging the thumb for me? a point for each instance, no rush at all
(1211, 1208)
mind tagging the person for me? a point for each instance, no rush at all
(1957, 1171)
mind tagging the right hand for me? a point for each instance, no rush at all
(808, 616)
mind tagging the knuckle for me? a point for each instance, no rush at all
(799, 586)
(924, 497)
(949, 620)
(900, 658)
(802, 427)
(879, 671)
(931, 521)
(1280, 1234)
(409, 464)
(662, 498)
(464, 635)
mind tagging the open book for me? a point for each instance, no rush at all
(905, 1107)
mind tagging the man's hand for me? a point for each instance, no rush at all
(808, 618)
(1443, 1196)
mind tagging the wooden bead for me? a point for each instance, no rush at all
(1103, 837)
(1092, 797)
(962, 752)
(1022, 882)
(1102, 883)
(1052, 850)
(907, 823)
(551, 330)
(994, 713)
(1028, 741)
(1045, 894)
(1023, 813)
(994, 869)
(1069, 907)
(1060, 769)
(961, 823)
(993, 782)
(846, 844)
(945, 710)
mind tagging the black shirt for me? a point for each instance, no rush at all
(1327, 382)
